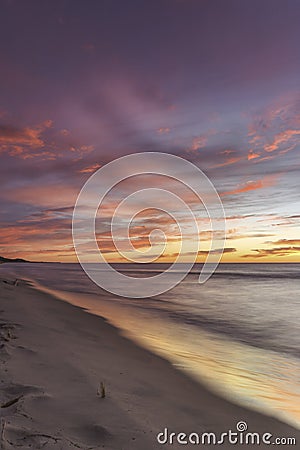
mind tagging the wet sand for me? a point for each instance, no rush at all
(57, 362)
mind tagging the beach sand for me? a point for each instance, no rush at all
(53, 359)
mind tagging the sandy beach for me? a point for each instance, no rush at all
(56, 362)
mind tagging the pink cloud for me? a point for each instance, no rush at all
(253, 155)
(251, 186)
(228, 162)
(275, 129)
(24, 142)
(90, 169)
(164, 130)
(281, 138)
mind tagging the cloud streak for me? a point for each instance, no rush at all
(251, 186)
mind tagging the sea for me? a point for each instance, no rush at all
(238, 334)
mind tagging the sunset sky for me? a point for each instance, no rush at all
(84, 82)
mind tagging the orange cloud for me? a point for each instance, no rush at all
(28, 239)
(82, 149)
(90, 169)
(23, 136)
(197, 143)
(31, 142)
(275, 129)
(23, 142)
(281, 138)
(163, 130)
(49, 196)
(251, 186)
(226, 152)
(252, 155)
(287, 242)
(266, 252)
(229, 161)
(216, 251)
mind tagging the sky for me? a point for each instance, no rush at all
(216, 82)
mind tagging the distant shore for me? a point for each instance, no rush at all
(69, 380)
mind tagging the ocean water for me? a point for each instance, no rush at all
(239, 333)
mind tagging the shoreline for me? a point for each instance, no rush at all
(55, 357)
(124, 319)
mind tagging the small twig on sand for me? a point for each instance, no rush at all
(101, 390)
(11, 402)
(2, 433)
